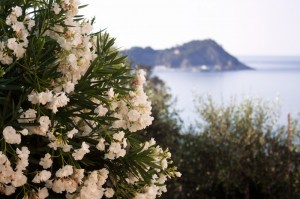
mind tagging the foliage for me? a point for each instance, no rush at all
(166, 125)
(70, 110)
(239, 153)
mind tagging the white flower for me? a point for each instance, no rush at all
(109, 192)
(100, 110)
(63, 43)
(46, 162)
(56, 8)
(12, 43)
(67, 147)
(16, 47)
(11, 19)
(135, 127)
(120, 124)
(86, 28)
(92, 188)
(42, 193)
(115, 147)
(3, 158)
(70, 185)
(33, 97)
(17, 11)
(148, 144)
(23, 155)
(140, 196)
(29, 115)
(69, 87)
(41, 176)
(79, 153)
(43, 97)
(24, 132)
(178, 174)
(5, 58)
(31, 23)
(59, 100)
(164, 164)
(103, 175)
(131, 179)
(110, 93)
(44, 121)
(9, 190)
(55, 143)
(44, 125)
(71, 133)
(101, 144)
(6, 171)
(64, 184)
(114, 105)
(152, 142)
(72, 60)
(119, 136)
(115, 151)
(19, 52)
(10, 135)
(149, 193)
(58, 186)
(141, 77)
(18, 26)
(124, 142)
(162, 179)
(19, 179)
(64, 172)
(78, 175)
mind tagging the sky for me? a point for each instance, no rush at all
(242, 27)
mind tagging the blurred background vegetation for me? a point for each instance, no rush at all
(236, 151)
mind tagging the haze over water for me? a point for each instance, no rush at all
(273, 77)
(249, 27)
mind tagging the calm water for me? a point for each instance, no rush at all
(273, 77)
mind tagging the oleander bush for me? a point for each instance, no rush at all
(72, 112)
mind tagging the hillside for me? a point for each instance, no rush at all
(201, 54)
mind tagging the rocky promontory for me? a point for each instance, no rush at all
(204, 55)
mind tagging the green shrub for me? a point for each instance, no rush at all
(236, 151)
(239, 152)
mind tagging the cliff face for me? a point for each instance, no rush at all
(205, 54)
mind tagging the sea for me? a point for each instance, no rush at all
(274, 80)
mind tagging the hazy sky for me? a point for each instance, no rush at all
(242, 27)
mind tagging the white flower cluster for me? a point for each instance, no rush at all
(74, 59)
(29, 116)
(103, 127)
(135, 113)
(53, 101)
(11, 136)
(41, 193)
(10, 179)
(157, 186)
(93, 187)
(117, 146)
(79, 153)
(16, 46)
(46, 162)
(75, 42)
